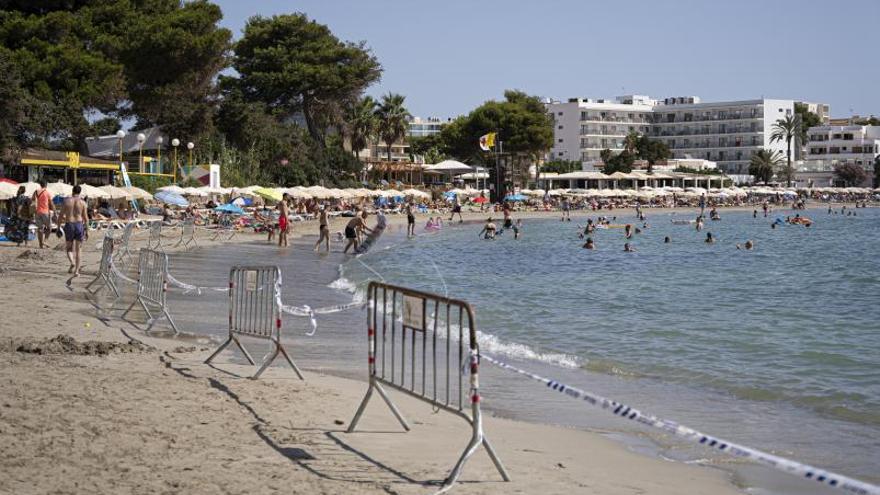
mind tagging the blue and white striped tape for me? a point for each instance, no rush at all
(780, 463)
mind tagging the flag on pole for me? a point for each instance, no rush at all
(487, 141)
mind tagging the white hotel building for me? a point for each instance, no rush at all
(724, 132)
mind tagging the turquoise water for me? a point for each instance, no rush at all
(725, 338)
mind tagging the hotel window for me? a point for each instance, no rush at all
(560, 140)
(583, 115)
(560, 127)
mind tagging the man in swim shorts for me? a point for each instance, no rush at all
(351, 232)
(456, 208)
(283, 221)
(566, 207)
(75, 219)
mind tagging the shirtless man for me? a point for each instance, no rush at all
(75, 219)
(410, 220)
(351, 232)
(323, 229)
(283, 221)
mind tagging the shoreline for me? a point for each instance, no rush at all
(661, 476)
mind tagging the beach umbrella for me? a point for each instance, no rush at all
(115, 192)
(481, 199)
(230, 208)
(138, 193)
(515, 197)
(533, 192)
(270, 194)
(7, 190)
(59, 189)
(175, 189)
(171, 198)
(298, 192)
(93, 192)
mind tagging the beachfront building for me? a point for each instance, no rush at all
(584, 127)
(724, 132)
(377, 150)
(831, 145)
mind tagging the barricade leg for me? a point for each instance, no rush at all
(363, 406)
(136, 301)
(278, 350)
(495, 460)
(171, 321)
(230, 340)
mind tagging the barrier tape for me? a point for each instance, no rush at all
(121, 275)
(780, 463)
(187, 288)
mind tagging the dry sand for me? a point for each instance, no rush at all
(144, 415)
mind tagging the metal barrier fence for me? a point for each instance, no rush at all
(255, 311)
(105, 269)
(422, 344)
(124, 251)
(154, 242)
(152, 286)
(226, 226)
(188, 234)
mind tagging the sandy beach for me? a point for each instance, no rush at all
(97, 406)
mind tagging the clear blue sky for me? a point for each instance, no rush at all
(448, 56)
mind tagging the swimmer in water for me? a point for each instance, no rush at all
(699, 224)
(628, 248)
(589, 244)
(517, 227)
(489, 229)
(628, 231)
(666, 240)
(747, 246)
(709, 238)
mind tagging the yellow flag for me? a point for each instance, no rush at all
(487, 141)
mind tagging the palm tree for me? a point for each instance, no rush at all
(631, 142)
(763, 164)
(788, 129)
(393, 118)
(362, 123)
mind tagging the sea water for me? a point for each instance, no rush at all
(775, 348)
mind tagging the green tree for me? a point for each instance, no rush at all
(851, 174)
(868, 121)
(62, 68)
(171, 54)
(293, 64)
(12, 105)
(877, 171)
(620, 162)
(522, 124)
(393, 119)
(362, 123)
(763, 165)
(652, 151)
(430, 147)
(561, 166)
(788, 129)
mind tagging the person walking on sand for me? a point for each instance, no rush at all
(323, 229)
(456, 208)
(351, 232)
(75, 219)
(410, 220)
(283, 221)
(43, 199)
